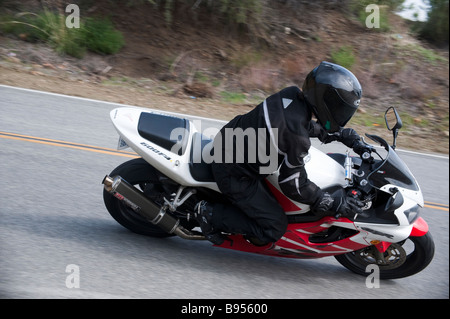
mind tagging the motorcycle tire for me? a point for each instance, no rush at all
(413, 262)
(139, 173)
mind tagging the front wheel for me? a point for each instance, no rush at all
(400, 259)
(139, 173)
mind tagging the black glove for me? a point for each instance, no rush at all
(347, 136)
(347, 206)
(340, 204)
(359, 147)
(350, 138)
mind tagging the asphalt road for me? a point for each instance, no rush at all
(54, 228)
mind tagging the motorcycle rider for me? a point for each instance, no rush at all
(332, 94)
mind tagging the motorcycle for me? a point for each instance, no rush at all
(155, 195)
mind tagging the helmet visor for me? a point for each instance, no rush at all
(341, 104)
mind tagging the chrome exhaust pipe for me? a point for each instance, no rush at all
(136, 199)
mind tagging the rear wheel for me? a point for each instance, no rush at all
(400, 259)
(142, 175)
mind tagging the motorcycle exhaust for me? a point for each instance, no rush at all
(136, 199)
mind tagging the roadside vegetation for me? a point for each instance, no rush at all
(96, 35)
(239, 51)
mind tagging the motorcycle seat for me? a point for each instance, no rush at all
(200, 170)
(171, 133)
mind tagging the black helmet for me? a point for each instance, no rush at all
(333, 93)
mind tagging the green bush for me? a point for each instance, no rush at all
(344, 56)
(64, 40)
(70, 43)
(96, 35)
(101, 37)
(26, 25)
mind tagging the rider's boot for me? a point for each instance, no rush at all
(203, 215)
(255, 241)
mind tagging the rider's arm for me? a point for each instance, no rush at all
(350, 138)
(347, 136)
(295, 184)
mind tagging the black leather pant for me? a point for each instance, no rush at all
(254, 211)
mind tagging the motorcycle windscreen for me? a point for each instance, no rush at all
(393, 171)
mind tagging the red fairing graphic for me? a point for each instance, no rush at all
(296, 244)
(420, 228)
(285, 202)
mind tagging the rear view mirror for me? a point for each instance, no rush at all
(393, 122)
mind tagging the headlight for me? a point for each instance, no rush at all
(412, 213)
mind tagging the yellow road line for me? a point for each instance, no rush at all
(436, 206)
(59, 143)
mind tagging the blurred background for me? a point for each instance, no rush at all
(221, 58)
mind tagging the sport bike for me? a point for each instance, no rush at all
(155, 195)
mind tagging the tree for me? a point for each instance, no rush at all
(436, 27)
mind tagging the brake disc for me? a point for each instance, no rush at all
(392, 258)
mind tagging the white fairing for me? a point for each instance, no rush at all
(394, 232)
(126, 119)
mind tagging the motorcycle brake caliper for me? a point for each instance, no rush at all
(392, 257)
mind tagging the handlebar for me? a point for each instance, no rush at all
(364, 150)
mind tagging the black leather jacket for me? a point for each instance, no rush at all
(281, 127)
